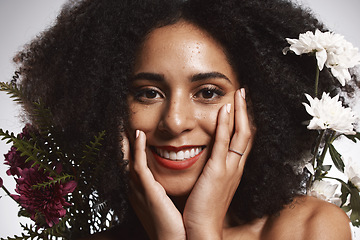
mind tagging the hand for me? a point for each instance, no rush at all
(211, 196)
(159, 216)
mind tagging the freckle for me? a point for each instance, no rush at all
(198, 51)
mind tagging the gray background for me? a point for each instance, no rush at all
(21, 20)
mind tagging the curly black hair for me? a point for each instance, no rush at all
(80, 68)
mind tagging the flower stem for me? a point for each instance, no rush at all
(320, 161)
(317, 80)
(315, 153)
(8, 193)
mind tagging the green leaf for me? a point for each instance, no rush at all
(346, 208)
(12, 90)
(354, 137)
(336, 158)
(53, 182)
(33, 153)
(344, 193)
(6, 135)
(92, 149)
(325, 168)
(355, 206)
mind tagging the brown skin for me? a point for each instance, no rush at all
(173, 109)
(179, 114)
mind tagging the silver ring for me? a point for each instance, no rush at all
(234, 151)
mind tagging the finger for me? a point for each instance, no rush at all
(222, 136)
(141, 168)
(242, 132)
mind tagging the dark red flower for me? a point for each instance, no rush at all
(16, 162)
(13, 158)
(49, 202)
(25, 134)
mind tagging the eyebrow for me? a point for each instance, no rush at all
(149, 76)
(207, 75)
(196, 77)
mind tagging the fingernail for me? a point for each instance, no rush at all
(228, 107)
(137, 133)
(242, 91)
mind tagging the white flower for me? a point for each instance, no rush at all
(352, 171)
(310, 168)
(329, 113)
(330, 49)
(302, 165)
(325, 191)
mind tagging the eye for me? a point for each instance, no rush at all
(147, 95)
(209, 93)
(150, 93)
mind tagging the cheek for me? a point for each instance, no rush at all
(207, 118)
(143, 118)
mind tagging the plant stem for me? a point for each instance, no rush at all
(328, 140)
(315, 153)
(340, 181)
(8, 193)
(317, 80)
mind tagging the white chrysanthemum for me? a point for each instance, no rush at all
(342, 58)
(325, 191)
(330, 49)
(328, 113)
(352, 171)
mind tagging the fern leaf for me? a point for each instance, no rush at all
(12, 90)
(35, 154)
(7, 135)
(43, 118)
(93, 147)
(58, 230)
(30, 233)
(53, 182)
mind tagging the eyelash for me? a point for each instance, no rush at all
(212, 89)
(139, 94)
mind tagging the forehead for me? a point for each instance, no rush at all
(183, 45)
(181, 33)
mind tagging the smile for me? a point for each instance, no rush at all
(179, 155)
(177, 158)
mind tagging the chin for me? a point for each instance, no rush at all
(177, 183)
(177, 186)
(179, 192)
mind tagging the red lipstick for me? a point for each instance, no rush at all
(172, 164)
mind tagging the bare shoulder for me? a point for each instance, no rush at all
(308, 218)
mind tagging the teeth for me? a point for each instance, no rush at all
(192, 152)
(180, 155)
(173, 155)
(187, 154)
(166, 154)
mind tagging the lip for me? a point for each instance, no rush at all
(176, 165)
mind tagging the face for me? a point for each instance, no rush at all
(181, 79)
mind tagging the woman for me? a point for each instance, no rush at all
(186, 83)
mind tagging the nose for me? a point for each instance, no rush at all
(178, 116)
